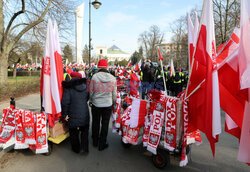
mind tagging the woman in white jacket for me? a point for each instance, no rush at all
(103, 93)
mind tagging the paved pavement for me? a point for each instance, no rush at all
(116, 158)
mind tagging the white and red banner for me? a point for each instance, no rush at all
(116, 113)
(203, 88)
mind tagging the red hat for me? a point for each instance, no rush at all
(102, 64)
(69, 71)
(75, 75)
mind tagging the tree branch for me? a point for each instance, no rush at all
(20, 24)
(27, 28)
(12, 20)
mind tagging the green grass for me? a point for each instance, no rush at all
(22, 78)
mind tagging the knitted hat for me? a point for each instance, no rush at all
(75, 75)
(103, 63)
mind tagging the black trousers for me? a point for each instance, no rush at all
(79, 138)
(100, 116)
(177, 89)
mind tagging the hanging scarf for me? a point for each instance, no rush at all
(148, 119)
(116, 114)
(184, 159)
(41, 134)
(20, 133)
(125, 124)
(8, 125)
(29, 127)
(156, 126)
(131, 135)
(170, 124)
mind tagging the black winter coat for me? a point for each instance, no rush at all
(74, 102)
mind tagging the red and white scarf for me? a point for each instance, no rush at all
(116, 114)
(129, 134)
(156, 127)
(20, 133)
(148, 119)
(29, 127)
(170, 124)
(8, 125)
(41, 134)
(184, 159)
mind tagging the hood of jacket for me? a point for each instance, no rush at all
(104, 76)
(78, 84)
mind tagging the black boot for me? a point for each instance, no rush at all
(103, 146)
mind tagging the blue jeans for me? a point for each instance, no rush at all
(146, 87)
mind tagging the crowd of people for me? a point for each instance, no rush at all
(96, 87)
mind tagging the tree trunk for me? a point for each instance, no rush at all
(3, 67)
(14, 72)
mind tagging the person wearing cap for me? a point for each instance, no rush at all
(76, 112)
(103, 95)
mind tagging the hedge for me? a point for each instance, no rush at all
(25, 73)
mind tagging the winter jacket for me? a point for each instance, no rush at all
(148, 73)
(74, 102)
(103, 89)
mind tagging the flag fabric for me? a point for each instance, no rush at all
(244, 70)
(138, 66)
(196, 27)
(172, 71)
(190, 39)
(129, 64)
(52, 75)
(204, 106)
(138, 113)
(244, 50)
(232, 99)
(160, 57)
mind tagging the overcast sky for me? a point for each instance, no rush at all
(121, 21)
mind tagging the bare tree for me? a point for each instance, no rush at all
(149, 41)
(226, 15)
(31, 13)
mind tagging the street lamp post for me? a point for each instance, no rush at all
(96, 5)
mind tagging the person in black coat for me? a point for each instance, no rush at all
(147, 77)
(76, 112)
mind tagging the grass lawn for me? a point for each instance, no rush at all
(21, 78)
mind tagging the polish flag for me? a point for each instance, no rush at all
(244, 70)
(129, 64)
(190, 39)
(203, 88)
(172, 71)
(138, 66)
(138, 113)
(52, 75)
(160, 57)
(196, 27)
(232, 99)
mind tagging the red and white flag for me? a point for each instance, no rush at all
(160, 56)
(172, 71)
(244, 68)
(52, 74)
(129, 64)
(190, 39)
(138, 66)
(196, 27)
(138, 113)
(203, 88)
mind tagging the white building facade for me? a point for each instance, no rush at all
(113, 53)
